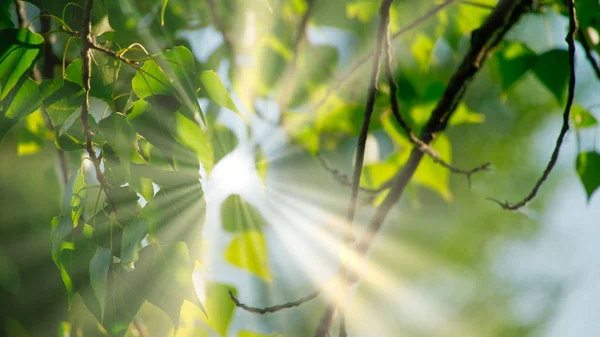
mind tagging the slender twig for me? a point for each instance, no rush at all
(220, 25)
(86, 72)
(483, 40)
(289, 78)
(566, 114)
(341, 178)
(583, 39)
(327, 318)
(425, 148)
(342, 79)
(274, 308)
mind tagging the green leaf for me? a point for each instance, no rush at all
(60, 98)
(105, 71)
(223, 140)
(178, 214)
(362, 10)
(22, 101)
(421, 49)
(582, 118)
(248, 250)
(171, 275)
(219, 307)
(150, 80)
(99, 276)
(239, 216)
(262, 164)
(514, 60)
(552, 69)
(127, 292)
(133, 233)
(5, 18)
(19, 49)
(588, 166)
(170, 73)
(216, 91)
(121, 137)
(463, 115)
(434, 176)
(154, 124)
(191, 135)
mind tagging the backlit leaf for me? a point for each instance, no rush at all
(588, 167)
(248, 250)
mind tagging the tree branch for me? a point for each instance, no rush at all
(483, 40)
(425, 148)
(573, 27)
(86, 72)
(274, 308)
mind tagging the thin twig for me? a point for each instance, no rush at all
(483, 40)
(342, 79)
(566, 114)
(327, 318)
(274, 308)
(583, 39)
(343, 179)
(425, 148)
(86, 72)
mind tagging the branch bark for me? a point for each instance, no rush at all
(483, 40)
(86, 72)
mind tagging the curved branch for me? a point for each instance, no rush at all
(425, 148)
(86, 72)
(274, 308)
(483, 40)
(566, 114)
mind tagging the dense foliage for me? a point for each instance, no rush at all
(117, 113)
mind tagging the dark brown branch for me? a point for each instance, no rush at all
(583, 39)
(340, 82)
(425, 148)
(483, 40)
(566, 114)
(86, 72)
(274, 308)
